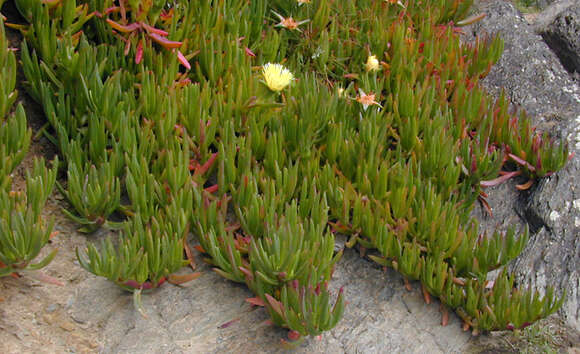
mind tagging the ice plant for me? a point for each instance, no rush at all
(265, 185)
(372, 63)
(154, 34)
(276, 76)
(23, 233)
(141, 31)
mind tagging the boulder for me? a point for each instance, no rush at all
(535, 80)
(560, 28)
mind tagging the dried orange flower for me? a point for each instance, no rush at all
(366, 100)
(393, 2)
(289, 22)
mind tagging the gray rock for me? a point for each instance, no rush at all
(536, 81)
(211, 316)
(542, 4)
(548, 14)
(553, 256)
(529, 71)
(535, 4)
(563, 37)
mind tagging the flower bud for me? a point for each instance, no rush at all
(372, 63)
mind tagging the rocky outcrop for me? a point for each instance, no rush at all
(210, 315)
(559, 25)
(535, 81)
(542, 4)
(528, 70)
(548, 14)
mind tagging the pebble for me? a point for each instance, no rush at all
(51, 307)
(69, 302)
(67, 326)
(49, 319)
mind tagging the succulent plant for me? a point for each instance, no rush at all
(372, 124)
(23, 233)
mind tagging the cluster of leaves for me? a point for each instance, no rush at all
(385, 135)
(108, 119)
(22, 232)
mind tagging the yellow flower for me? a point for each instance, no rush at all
(276, 76)
(372, 63)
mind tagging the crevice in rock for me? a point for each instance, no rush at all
(562, 50)
(524, 208)
(559, 26)
(532, 218)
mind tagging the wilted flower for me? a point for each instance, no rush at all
(366, 100)
(289, 22)
(276, 76)
(372, 63)
(393, 2)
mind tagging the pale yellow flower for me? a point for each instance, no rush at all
(372, 63)
(302, 2)
(340, 92)
(276, 76)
